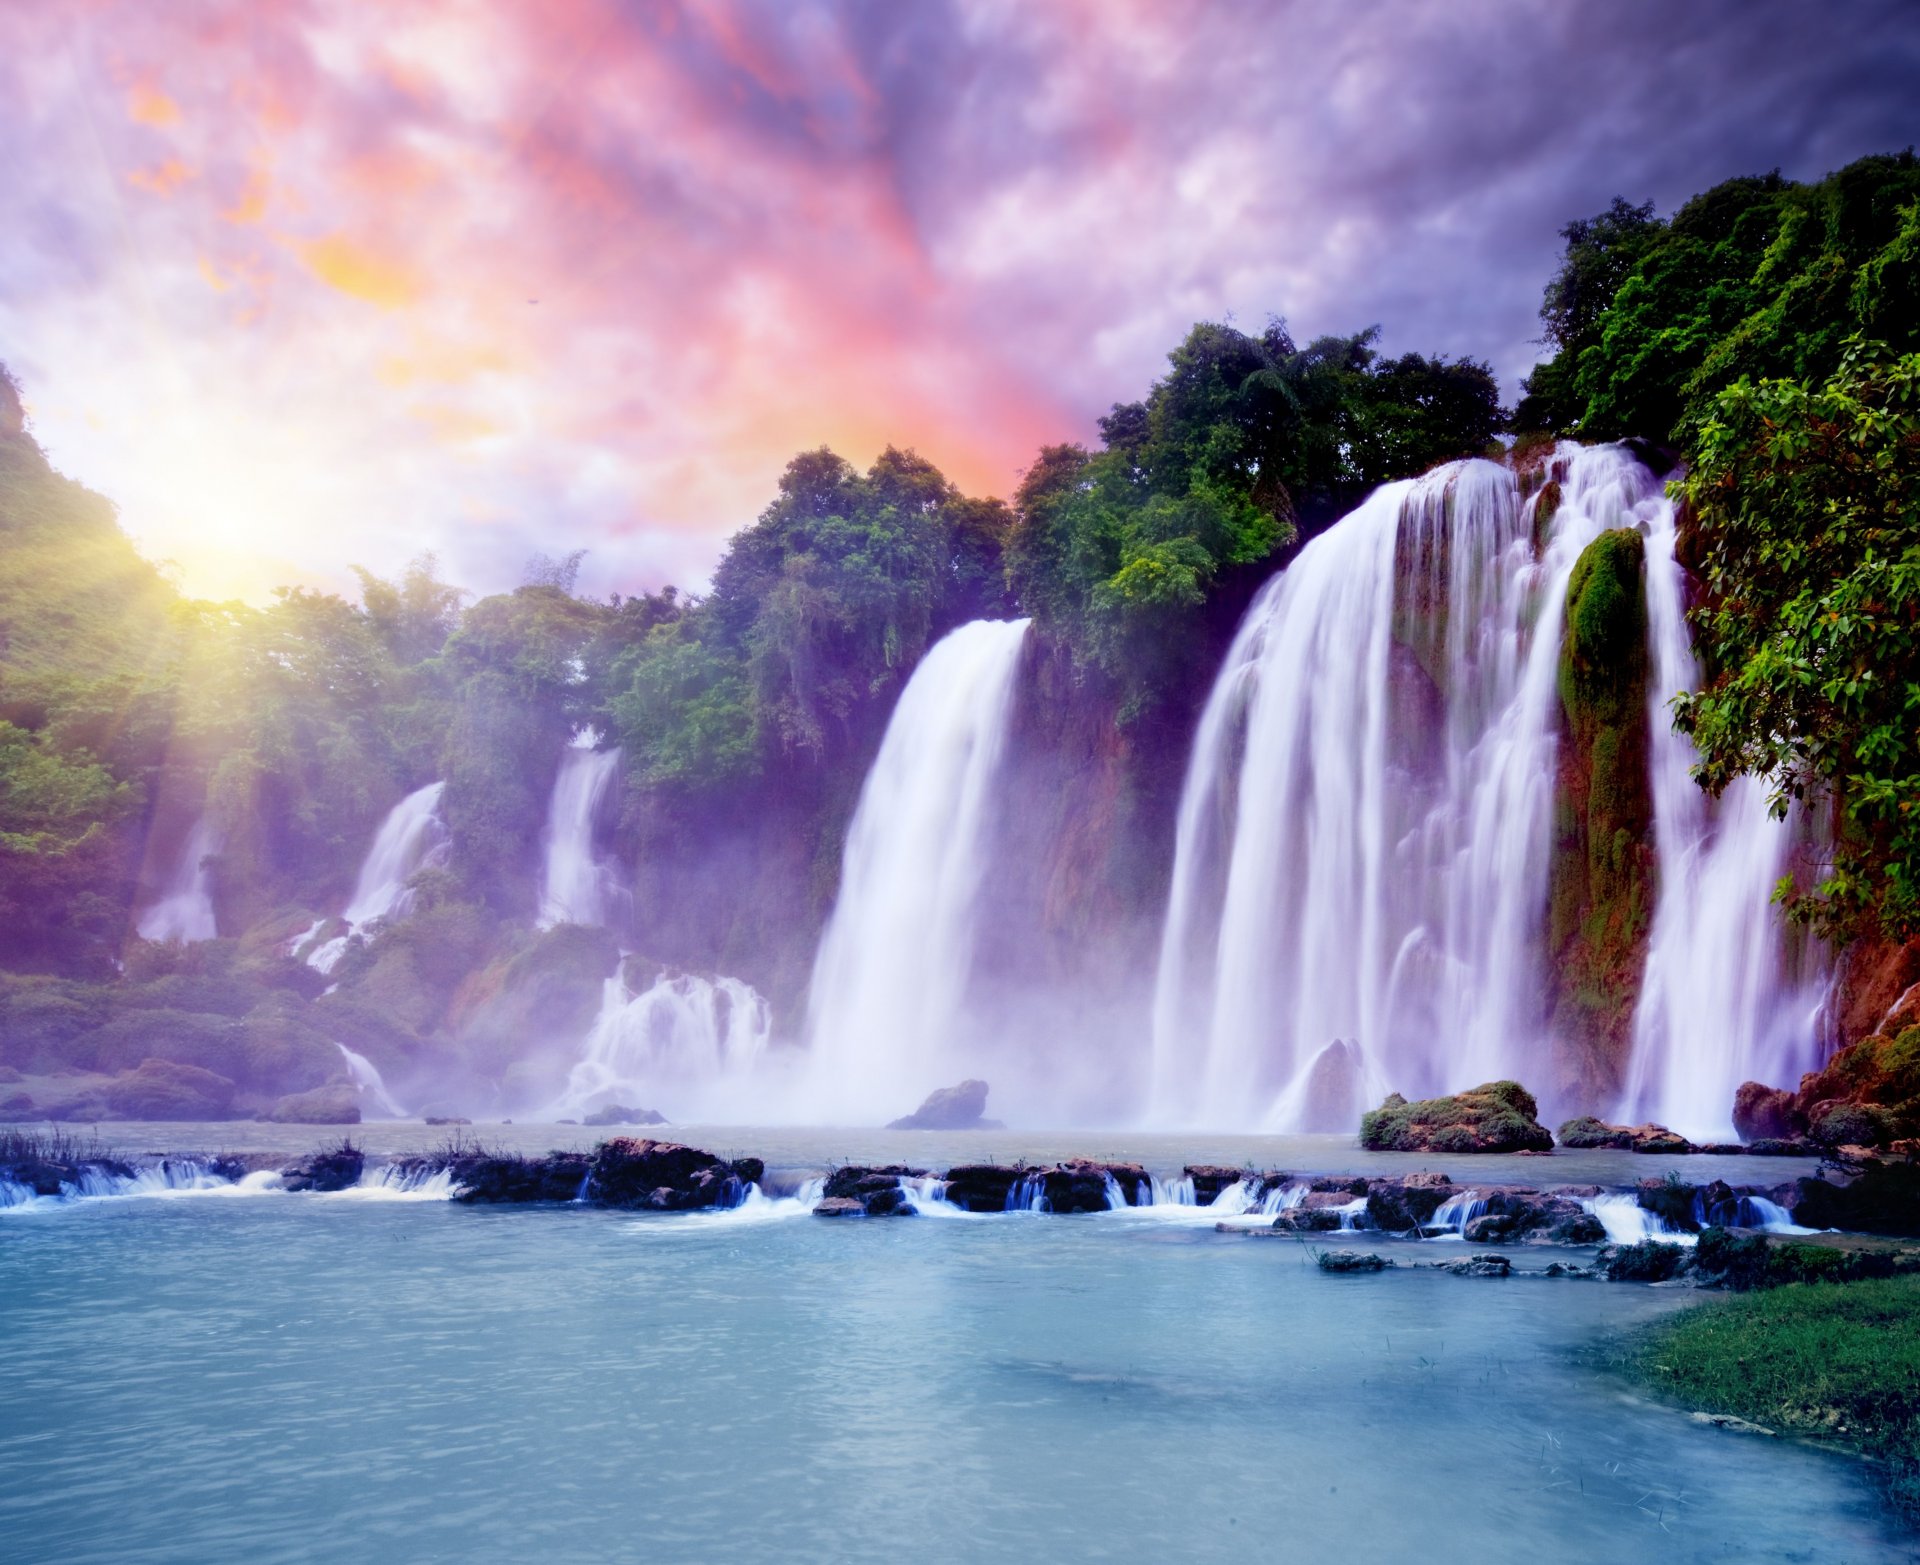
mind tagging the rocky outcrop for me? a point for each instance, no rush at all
(162, 1090)
(950, 1108)
(1078, 1185)
(1587, 1132)
(504, 1180)
(664, 1176)
(1868, 1094)
(1884, 1198)
(620, 1114)
(334, 1168)
(1500, 1116)
(1346, 1262)
(872, 1192)
(1601, 877)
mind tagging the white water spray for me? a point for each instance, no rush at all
(887, 1015)
(365, 1076)
(691, 1043)
(576, 887)
(185, 909)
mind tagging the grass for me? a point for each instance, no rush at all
(48, 1146)
(1837, 1362)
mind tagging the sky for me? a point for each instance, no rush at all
(305, 284)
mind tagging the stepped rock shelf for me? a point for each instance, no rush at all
(1872, 1196)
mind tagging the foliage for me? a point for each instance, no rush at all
(1806, 502)
(1835, 1362)
(1245, 442)
(1758, 278)
(1499, 1116)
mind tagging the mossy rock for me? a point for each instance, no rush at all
(1499, 1116)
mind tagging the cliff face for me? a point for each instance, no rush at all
(1602, 878)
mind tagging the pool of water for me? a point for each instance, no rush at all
(301, 1378)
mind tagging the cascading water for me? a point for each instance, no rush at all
(1364, 837)
(691, 1043)
(365, 1076)
(185, 909)
(887, 1013)
(1718, 1005)
(410, 839)
(576, 887)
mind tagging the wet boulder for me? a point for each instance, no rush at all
(1647, 1261)
(1499, 1116)
(1676, 1202)
(1347, 1262)
(982, 1187)
(1763, 1113)
(1587, 1132)
(503, 1179)
(1081, 1185)
(1400, 1206)
(839, 1206)
(876, 1190)
(664, 1176)
(1479, 1266)
(331, 1168)
(1209, 1179)
(962, 1107)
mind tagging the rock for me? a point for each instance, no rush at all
(1080, 1185)
(1425, 1180)
(1587, 1132)
(1331, 1095)
(508, 1180)
(1842, 1125)
(160, 1089)
(1577, 1228)
(337, 1103)
(663, 1176)
(875, 1190)
(839, 1206)
(1500, 1116)
(618, 1114)
(982, 1187)
(1795, 1146)
(1647, 1261)
(1763, 1113)
(1674, 1201)
(1209, 1179)
(334, 1168)
(1401, 1207)
(446, 1119)
(1479, 1266)
(1347, 1261)
(1346, 1184)
(950, 1108)
(1883, 1199)
(1305, 1219)
(890, 1202)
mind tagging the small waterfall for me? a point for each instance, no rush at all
(1628, 1222)
(1172, 1192)
(412, 838)
(1718, 1005)
(695, 1042)
(409, 1181)
(1365, 830)
(575, 887)
(185, 909)
(366, 1078)
(1451, 1217)
(888, 1003)
(1028, 1193)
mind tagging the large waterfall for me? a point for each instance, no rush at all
(1720, 1002)
(887, 1016)
(410, 839)
(185, 908)
(576, 887)
(1364, 838)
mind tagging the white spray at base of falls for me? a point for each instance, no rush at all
(365, 1076)
(185, 909)
(410, 839)
(887, 1012)
(1364, 839)
(686, 1045)
(576, 887)
(1718, 1004)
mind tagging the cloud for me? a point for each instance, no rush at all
(304, 284)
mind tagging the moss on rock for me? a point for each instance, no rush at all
(1500, 1116)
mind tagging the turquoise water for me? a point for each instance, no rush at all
(297, 1378)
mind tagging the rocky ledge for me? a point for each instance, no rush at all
(1499, 1116)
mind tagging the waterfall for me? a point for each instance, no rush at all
(365, 1076)
(1364, 837)
(888, 1004)
(410, 839)
(185, 908)
(1718, 1005)
(691, 1042)
(575, 887)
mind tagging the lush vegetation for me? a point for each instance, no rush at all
(1768, 332)
(1833, 1361)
